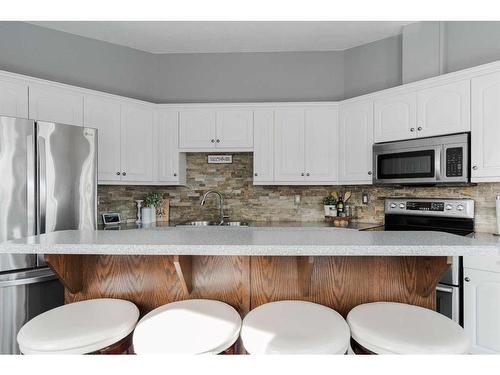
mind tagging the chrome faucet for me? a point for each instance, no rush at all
(221, 204)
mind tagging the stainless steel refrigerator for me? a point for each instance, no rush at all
(48, 182)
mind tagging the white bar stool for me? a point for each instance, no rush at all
(398, 328)
(195, 326)
(97, 325)
(294, 327)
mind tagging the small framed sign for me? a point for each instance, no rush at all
(220, 159)
(111, 218)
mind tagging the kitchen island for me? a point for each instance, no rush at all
(249, 266)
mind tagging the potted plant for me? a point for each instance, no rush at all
(330, 205)
(151, 200)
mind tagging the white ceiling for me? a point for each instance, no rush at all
(218, 36)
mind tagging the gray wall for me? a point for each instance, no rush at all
(233, 77)
(421, 51)
(372, 67)
(62, 57)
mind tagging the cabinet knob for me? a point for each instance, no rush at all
(307, 174)
(369, 173)
(474, 167)
(255, 174)
(467, 279)
(124, 173)
(419, 128)
(175, 174)
(118, 173)
(302, 174)
(412, 129)
(213, 141)
(218, 141)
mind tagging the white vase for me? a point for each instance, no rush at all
(330, 210)
(153, 214)
(146, 215)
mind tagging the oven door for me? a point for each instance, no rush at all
(448, 301)
(419, 165)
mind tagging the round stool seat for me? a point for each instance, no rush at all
(195, 326)
(294, 327)
(398, 328)
(79, 328)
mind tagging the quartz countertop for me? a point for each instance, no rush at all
(254, 240)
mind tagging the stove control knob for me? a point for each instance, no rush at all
(449, 207)
(402, 206)
(460, 207)
(393, 205)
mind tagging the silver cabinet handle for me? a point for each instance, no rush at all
(302, 174)
(307, 174)
(369, 173)
(467, 279)
(118, 173)
(124, 173)
(419, 128)
(474, 167)
(218, 141)
(412, 129)
(175, 174)
(255, 174)
(213, 140)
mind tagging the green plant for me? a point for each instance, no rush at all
(152, 199)
(329, 201)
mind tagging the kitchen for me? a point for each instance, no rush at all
(415, 153)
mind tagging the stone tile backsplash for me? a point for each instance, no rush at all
(244, 201)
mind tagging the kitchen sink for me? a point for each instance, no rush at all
(203, 223)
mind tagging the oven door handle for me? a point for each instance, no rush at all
(445, 289)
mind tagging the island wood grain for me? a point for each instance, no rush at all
(247, 282)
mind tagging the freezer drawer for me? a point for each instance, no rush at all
(24, 295)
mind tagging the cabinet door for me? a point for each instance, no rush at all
(289, 145)
(13, 99)
(136, 142)
(356, 142)
(197, 129)
(263, 160)
(169, 168)
(234, 128)
(482, 310)
(444, 109)
(485, 134)
(55, 104)
(395, 118)
(104, 115)
(321, 145)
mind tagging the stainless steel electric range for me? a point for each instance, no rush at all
(454, 216)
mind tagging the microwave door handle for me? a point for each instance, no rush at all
(437, 163)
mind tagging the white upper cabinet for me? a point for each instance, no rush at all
(13, 99)
(263, 154)
(55, 104)
(197, 129)
(234, 128)
(171, 164)
(395, 118)
(356, 141)
(289, 145)
(137, 142)
(205, 129)
(485, 135)
(321, 145)
(444, 109)
(104, 115)
(482, 310)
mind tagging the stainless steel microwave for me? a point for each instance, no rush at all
(425, 161)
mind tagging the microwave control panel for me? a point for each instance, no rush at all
(454, 162)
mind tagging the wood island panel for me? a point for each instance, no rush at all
(247, 282)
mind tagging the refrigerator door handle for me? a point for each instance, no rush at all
(42, 185)
(30, 186)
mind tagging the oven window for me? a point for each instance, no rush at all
(412, 164)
